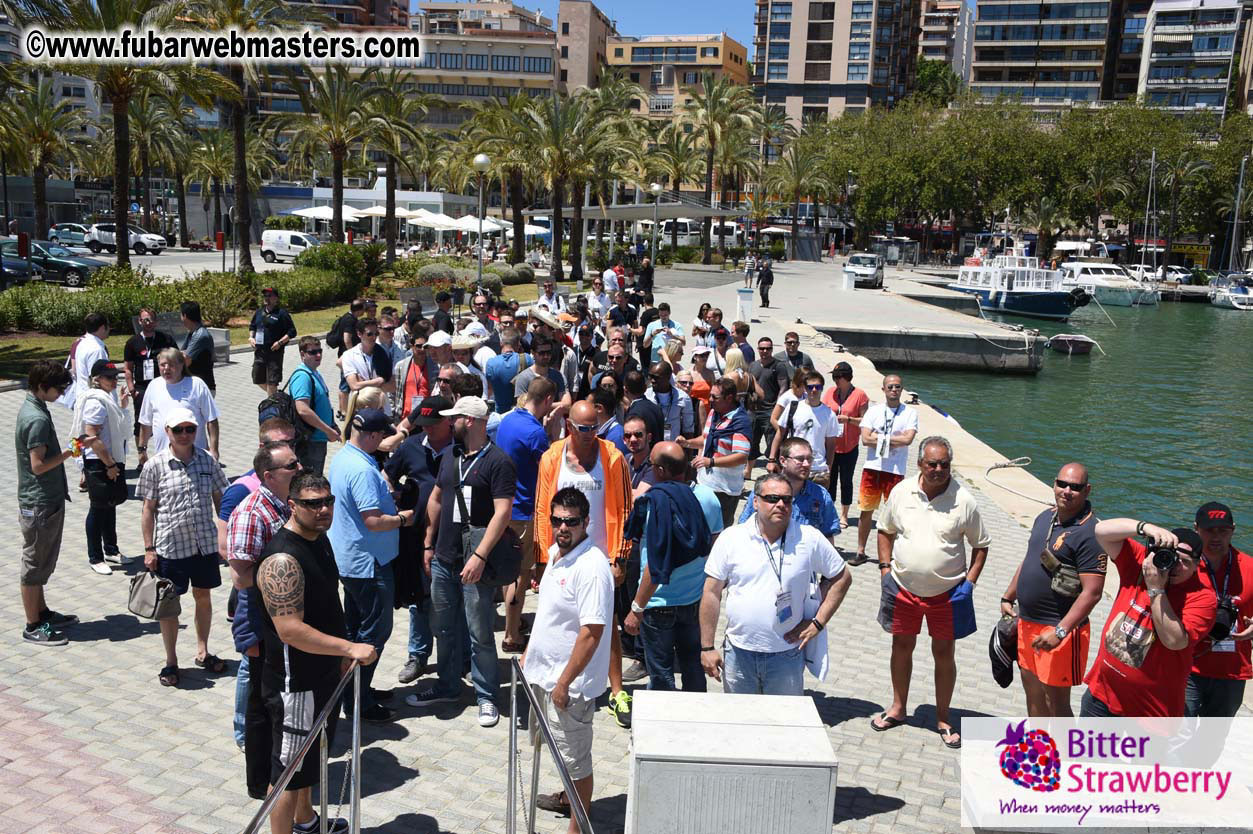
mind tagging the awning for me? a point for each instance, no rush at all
(641, 211)
(325, 213)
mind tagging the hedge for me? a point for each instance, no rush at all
(285, 222)
(339, 258)
(526, 275)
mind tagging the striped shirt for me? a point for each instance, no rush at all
(184, 493)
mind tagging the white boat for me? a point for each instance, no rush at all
(1073, 344)
(1016, 284)
(1235, 297)
(1108, 284)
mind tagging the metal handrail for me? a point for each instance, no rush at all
(318, 733)
(576, 803)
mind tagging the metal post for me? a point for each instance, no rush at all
(582, 230)
(535, 787)
(656, 200)
(511, 821)
(355, 808)
(323, 782)
(480, 228)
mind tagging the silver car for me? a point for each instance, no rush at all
(68, 234)
(866, 268)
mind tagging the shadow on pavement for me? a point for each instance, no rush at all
(409, 824)
(609, 813)
(115, 628)
(835, 711)
(924, 716)
(381, 772)
(854, 803)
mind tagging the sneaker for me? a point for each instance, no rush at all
(378, 714)
(335, 825)
(101, 568)
(115, 558)
(620, 706)
(414, 669)
(489, 716)
(57, 619)
(381, 696)
(44, 635)
(634, 672)
(428, 697)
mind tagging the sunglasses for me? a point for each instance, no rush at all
(686, 383)
(316, 503)
(581, 429)
(419, 346)
(183, 429)
(314, 352)
(893, 387)
(629, 435)
(801, 458)
(559, 521)
(370, 334)
(290, 467)
(813, 387)
(775, 499)
(1070, 485)
(789, 342)
(937, 464)
(765, 348)
(387, 329)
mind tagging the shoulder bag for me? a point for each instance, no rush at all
(504, 562)
(153, 597)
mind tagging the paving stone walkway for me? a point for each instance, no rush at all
(90, 742)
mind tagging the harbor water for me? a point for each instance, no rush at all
(1164, 420)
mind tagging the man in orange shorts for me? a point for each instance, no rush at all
(1056, 587)
(887, 429)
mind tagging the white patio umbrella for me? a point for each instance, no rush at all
(776, 230)
(431, 220)
(325, 213)
(527, 230)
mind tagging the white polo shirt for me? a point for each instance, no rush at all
(756, 573)
(886, 420)
(577, 590)
(929, 554)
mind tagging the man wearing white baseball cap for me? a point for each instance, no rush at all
(473, 492)
(180, 538)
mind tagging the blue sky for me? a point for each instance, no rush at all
(675, 17)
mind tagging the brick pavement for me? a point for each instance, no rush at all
(91, 742)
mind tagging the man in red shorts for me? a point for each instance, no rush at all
(924, 530)
(1056, 587)
(887, 429)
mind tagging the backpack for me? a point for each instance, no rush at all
(335, 336)
(281, 404)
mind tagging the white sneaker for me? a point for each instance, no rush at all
(102, 569)
(489, 716)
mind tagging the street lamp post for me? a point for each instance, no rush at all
(655, 188)
(481, 163)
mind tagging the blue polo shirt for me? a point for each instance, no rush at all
(523, 438)
(813, 507)
(500, 372)
(359, 486)
(687, 582)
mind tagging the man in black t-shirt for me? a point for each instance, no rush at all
(198, 345)
(1057, 585)
(346, 329)
(271, 329)
(774, 375)
(306, 650)
(475, 490)
(622, 314)
(441, 319)
(140, 355)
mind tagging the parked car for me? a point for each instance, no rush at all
(866, 269)
(277, 243)
(14, 271)
(1174, 273)
(68, 234)
(102, 236)
(58, 263)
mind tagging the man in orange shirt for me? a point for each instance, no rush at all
(596, 468)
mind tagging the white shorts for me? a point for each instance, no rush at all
(572, 731)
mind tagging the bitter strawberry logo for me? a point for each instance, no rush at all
(1030, 758)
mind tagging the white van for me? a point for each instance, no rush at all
(277, 243)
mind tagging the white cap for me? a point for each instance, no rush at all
(475, 330)
(179, 416)
(474, 407)
(439, 339)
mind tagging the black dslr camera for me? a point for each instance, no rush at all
(1164, 557)
(1224, 620)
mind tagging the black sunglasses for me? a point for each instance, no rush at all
(183, 429)
(937, 464)
(314, 351)
(316, 503)
(558, 521)
(291, 467)
(813, 387)
(775, 499)
(1070, 485)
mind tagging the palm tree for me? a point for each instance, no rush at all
(775, 128)
(1048, 218)
(737, 161)
(1100, 187)
(11, 83)
(716, 106)
(759, 207)
(336, 118)
(793, 175)
(211, 163)
(496, 123)
(678, 159)
(152, 131)
(396, 113)
(1179, 172)
(177, 154)
(51, 131)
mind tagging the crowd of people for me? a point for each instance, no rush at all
(569, 451)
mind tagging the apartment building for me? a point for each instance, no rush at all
(948, 34)
(669, 66)
(1188, 55)
(819, 59)
(583, 32)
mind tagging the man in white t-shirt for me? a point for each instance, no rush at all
(87, 351)
(173, 389)
(765, 566)
(812, 421)
(887, 429)
(567, 659)
(610, 277)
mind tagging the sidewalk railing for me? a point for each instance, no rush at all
(317, 733)
(580, 813)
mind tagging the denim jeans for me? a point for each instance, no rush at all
(241, 699)
(669, 633)
(1212, 697)
(454, 603)
(314, 458)
(368, 615)
(420, 636)
(1091, 706)
(101, 533)
(747, 672)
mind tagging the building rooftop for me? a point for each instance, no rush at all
(670, 38)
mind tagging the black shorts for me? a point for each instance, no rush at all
(267, 368)
(291, 717)
(199, 571)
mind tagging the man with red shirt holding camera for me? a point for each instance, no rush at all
(1222, 662)
(1162, 611)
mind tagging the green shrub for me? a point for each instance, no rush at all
(494, 283)
(301, 288)
(778, 250)
(518, 278)
(464, 276)
(717, 258)
(374, 260)
(526, 275)
(286, 222)
(339, 258)
(436, 274)
(123, 276)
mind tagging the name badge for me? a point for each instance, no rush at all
(783, 607)
(149, 369)
(884, 447)
(1228, 645)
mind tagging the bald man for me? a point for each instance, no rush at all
(665, 612)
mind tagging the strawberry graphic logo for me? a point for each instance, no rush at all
(1030, 758)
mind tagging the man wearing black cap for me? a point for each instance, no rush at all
(441, 319)
(1221, 664)
(271, 329)
(1154, 625)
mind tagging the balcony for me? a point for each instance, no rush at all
(1185, 81)
(1187, 28)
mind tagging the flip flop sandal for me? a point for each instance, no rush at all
(888, 722)
(168, 676)
(946, 733)
(509, 647)
(554, 803)
(211, 663)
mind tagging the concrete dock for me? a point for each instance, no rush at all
(935, 294)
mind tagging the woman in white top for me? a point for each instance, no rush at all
(700, 328)
(173, 389)
(105, 426)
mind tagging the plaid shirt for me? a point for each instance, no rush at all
(253, 523)
(184, 495)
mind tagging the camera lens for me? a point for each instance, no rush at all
(1165, 558)
(1224, 620)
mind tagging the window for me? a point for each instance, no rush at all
(565, 52)
(859, 52)
(476, 61)
(862, 9)
(544, 65)
(780, 31)
(813, 114)
(504, 92)
(781, 11)
(691, 78)
(779, 51)
(709, 52)
(858, 72)
(506, 63)
(858, 30)
(1133, 25)
(617, 52)
(776, 72)
(663, 54)
(822, 11)
(565, 28)
(433, 89)
(655, 78)
(450, 60)
(564, 76)
(635, 77)
(818, 52)
(482, 90)
(821, 31)
(818, 72)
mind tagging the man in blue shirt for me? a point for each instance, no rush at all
(501, 369)
(313, 405)
(812, 504)
(365, 537)
(521, 435)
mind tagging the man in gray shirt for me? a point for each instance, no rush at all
(198, 345)
(774, 376)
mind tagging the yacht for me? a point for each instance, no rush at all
(1107, 283)
(1236, 296)
(1015, 284)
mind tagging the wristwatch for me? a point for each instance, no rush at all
(1060, 632)
(636, 608)
(1155, 592)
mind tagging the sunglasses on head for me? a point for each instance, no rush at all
(183, 429)
(775, 499)
(316, 503)
(559, 521)
(1070, 485)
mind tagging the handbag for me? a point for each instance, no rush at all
(503, 563)
(102, 491)
(153, 597)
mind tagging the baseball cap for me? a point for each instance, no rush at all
(179, 416)
(439, 338)
(428, 410)
(103, 367)
(269, 291)
(467, 407)
(842, 369)
(372, 419)
(701, 349)
(475, 330)
(1210, 515)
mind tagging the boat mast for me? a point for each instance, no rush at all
(1235, 218)
(1148, 207)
